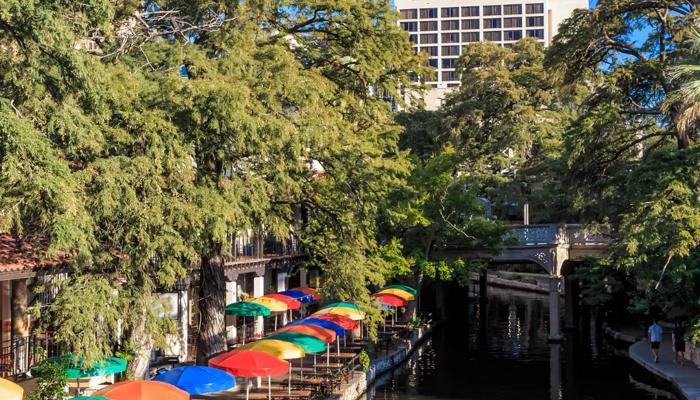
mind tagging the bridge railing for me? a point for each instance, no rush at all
(551, 234)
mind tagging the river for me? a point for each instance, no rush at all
(498, 350)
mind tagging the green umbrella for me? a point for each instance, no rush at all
(75, 370)
(246, 309)
(309, 343)
(403, 287)
(345, 304)
(89, 398)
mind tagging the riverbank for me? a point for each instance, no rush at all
(684, 380)
(359, 382)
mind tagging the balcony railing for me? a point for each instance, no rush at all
(18, 356)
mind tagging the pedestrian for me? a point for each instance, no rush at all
(678, 338)
(655, 331)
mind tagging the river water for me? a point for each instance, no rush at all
(498, 350)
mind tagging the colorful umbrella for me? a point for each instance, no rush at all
(75, 370)
(345, 304)
(291, 303)
(250, 364)
(309, 343)
(315, 294)
(390, 300)
(10, 390)
(196, 379)
(346, 312)
(405, 288)
(339, 331)
(142, 390)
(345, 322)
(247, 309)
(399, 293)
(316, 331)
(298, 295)
(278, 348)
(271, 304)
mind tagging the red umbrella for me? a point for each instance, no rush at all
(292, 304)
(391, 300)
(142, 390)
(250, 364)
(313, 292)
(345, 322)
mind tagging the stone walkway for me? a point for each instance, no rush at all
(686, 379)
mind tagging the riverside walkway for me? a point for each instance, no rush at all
(686, 379)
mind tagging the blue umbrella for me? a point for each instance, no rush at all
(339, 331)
(198, 380)
(298, 295)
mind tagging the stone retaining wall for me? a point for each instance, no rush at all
(359, 382)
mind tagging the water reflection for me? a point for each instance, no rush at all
(498, 350)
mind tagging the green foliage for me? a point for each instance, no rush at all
(364, 360)
(52, 382)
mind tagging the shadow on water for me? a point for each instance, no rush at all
(498, 350)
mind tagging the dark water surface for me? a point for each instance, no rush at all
(498, 350)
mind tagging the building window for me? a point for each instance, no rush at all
(512, 9)
(429, 38)
(535, 33)
(492, 10)
(515, 22)
(535, 21)
(492, 23)
(451, 25)
(449, 76)
(449, 62)
(452, 12)
(469, 37)
(431, 51)
(428, 12)
(409, 14)
(409, 26)
(450, 38)
(537, 8)
(413, 39)
(433, 62)
(428, 26)
(470, 11)
(450, 50)
(512, 35)
(492, 36)
(468, 24)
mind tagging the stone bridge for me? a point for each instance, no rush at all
(552, 246)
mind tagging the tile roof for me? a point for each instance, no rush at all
(17, 255)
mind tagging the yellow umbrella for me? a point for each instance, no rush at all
(351, 313)
(278, 348)
(398, 293)
(273, 304)
(10, 390)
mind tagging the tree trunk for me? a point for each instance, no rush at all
(212, 289)
(683, 140)
(142, 345)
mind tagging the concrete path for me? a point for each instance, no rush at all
(686, 379)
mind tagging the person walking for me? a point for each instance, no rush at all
(678, 338)
(655, 332)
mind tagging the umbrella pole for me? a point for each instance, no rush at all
(275, 321)
(328, 353)
(339, 346)
(269, 388)
(243, 330)
(289, 389)
(247, 390)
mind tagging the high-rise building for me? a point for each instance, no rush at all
(442, 28)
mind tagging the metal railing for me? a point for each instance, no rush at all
(18, 356)
(550, 234)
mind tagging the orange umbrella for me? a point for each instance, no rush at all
(316, 331)
(142, 390)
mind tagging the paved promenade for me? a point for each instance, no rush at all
(686, 379)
